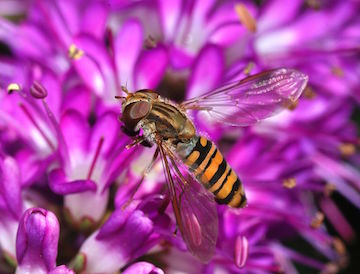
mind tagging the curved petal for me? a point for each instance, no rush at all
(10, 188)
(98, 10)
(101, 130)
(150, 68)
(78, 98)
(76, 131)
(94, 65)
(127, 47)
(207, 71)
(60, 185)
(170, 12)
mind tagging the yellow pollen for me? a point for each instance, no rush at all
(309, 93)
(317, 220)
(329, 189)
(249, 67)
(13, 87)
(293, 105)
(314, 4)
(347, 149)
(289, 183)
(245, 17)
(337, 72)
(75, 53)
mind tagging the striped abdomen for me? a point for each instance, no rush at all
(212, 170)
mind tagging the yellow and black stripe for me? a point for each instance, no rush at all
(212, 170)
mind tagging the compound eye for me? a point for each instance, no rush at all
(134, 112)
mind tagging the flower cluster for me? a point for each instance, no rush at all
(66, 172)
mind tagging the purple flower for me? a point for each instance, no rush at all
(143, 268)
(127, 234)
(36, 243)
(63, 149)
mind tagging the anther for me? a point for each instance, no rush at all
(241, 251)
(329, 189)
(249, 67)
(289, 183)
(339, 246)
(293, 105)
(309, 93)
(74, 52)
(318, 220)
(337, 71)
(96, 156)
(13, 87)
(347, 149)
(38, 91)
(245, 17)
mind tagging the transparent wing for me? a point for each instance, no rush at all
(252, 99)
(194, 209)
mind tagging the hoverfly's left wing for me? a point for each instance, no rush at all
(252, 99)
(194, 209)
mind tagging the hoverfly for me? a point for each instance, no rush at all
(197, 174)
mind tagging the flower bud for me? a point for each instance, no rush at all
(37, 241)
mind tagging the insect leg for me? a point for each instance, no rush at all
(144, 174)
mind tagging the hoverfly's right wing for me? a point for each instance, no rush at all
(252, 99)
(194, 209)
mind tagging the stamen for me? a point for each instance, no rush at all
(309, 93)
(98, 149)
(249, 67)
(337, 71)
(318, 220)
(75, 53)
(38, 91)
(293, 105)
(329, 189)
(31, 118)
(245, 17)
(13, 87)
(289, 183)
(339, 246)
(347, 149)
(241, 251)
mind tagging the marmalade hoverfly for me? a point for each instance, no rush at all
(197, 174)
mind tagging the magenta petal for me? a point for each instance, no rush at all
(94, 66)
(150, 68)
(101, 130)
(61, 185)
(207, 71)
(143, 268)
(267, 20)
(62, 269)
(179, 58)
(37, 239)
(76, 131)
(62, 19)
(89, 24)
(115, 222)
(169, 15)
(78, 98)
(10, 188)
(132, 34)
